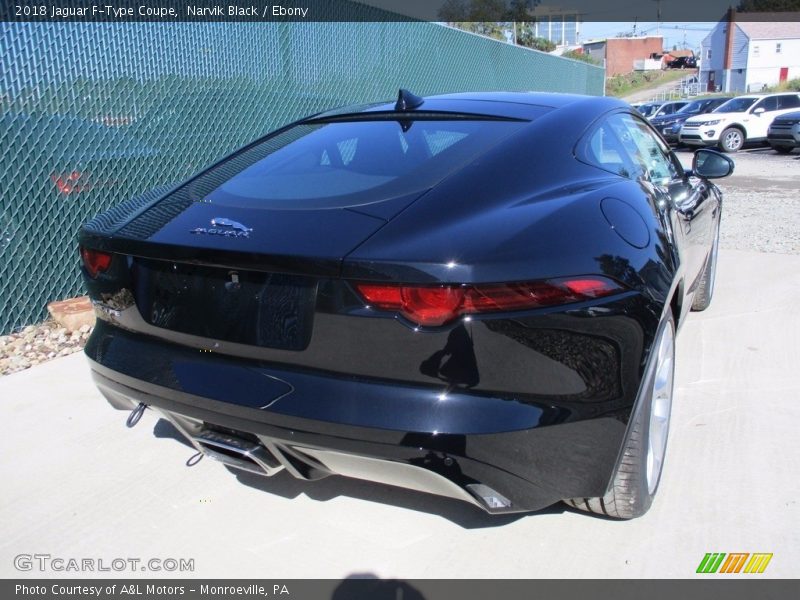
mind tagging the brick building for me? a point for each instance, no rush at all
(619, 54)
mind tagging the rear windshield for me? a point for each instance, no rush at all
(355, 162)
(736, 105)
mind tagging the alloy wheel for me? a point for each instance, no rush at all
(733, 140)
(660, 407)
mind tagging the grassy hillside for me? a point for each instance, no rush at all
(622, 85)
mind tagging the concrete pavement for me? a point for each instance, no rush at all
(78, 484)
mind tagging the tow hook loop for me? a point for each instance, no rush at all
(194, 459)
(136, 415)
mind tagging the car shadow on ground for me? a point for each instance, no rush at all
(283, 484)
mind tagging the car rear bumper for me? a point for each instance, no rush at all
(499, 454)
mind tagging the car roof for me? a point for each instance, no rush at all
(766, 95)
(500, 104)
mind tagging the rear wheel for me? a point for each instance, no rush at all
(705, 289)
(639, 471)
(783, 149)
(731, 140)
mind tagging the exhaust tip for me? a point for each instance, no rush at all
(491, 499)
(237, 452)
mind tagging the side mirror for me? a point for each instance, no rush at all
(759, 110)
(710, 164)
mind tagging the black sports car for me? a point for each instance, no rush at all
(474, 295)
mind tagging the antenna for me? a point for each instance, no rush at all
(407, 101)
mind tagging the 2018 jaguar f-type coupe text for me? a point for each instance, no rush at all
(474, 295)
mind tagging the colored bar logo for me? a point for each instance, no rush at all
(735, 562)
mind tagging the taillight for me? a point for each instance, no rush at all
(95, 262)
(71, 183)
(432, 306)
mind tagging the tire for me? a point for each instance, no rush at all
(638, 474)
(705, 289)
(731, 140)
(783, 149)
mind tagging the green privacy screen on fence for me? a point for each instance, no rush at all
(93, 113)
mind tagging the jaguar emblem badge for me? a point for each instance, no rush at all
(224, 227)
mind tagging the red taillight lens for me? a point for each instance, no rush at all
(71, 183)
(95, 262)
(432, 306)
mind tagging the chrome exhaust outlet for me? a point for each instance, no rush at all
(228, 449)
(237, 453)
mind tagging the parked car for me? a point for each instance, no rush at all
(683, 62)
(670, 125)
(784, 133)
(648, 109)
(667, 108)
(740, 120)
(419, 293)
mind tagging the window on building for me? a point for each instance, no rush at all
(708, 54)
(756, 50)
(778, 48)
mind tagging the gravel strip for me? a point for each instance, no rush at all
(36, 344)
(761, 201)
(761, 212)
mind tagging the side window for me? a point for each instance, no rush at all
(790, 101)
(768, 104)
(603, 148)
(647, 151)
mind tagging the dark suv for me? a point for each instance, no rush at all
(683, 62)
(670, 125)
(784, 133)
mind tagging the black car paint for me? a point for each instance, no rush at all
(533, 403)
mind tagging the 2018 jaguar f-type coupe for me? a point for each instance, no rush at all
(474, 295)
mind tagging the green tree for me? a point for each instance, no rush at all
(527, 39)
(575, 55)
(494, 18)
(454, 11)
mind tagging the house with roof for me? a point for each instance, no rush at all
(747, 52)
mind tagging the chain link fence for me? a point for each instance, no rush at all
(94, 113)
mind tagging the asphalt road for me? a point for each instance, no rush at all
(78, 484)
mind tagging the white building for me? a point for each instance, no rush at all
(559, 25)
(748, 55)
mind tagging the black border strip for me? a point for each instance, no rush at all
(253, 11)
(365, 586)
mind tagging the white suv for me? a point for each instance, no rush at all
(739, 120)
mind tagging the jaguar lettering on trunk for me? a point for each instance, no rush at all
(224, 227)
